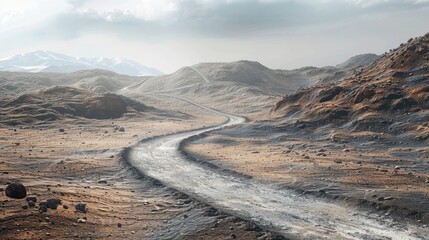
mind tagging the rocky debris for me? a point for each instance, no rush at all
(31, 198)
(121, 129)
(249, 226)
(16, 190)
(81, 207)
(61, 130)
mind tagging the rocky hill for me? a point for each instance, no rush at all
(390, 96)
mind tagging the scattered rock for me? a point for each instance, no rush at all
(81, 207)
(338, 161)
(43, 203)
(31, 204)
(249, 226)
(119, 225)
(43, 208)
(31, 198)
(53, 203)
(65, 206)
(61, 130)
(16, 190)
(80, 220)
(121, 129)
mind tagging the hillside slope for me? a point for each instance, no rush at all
(389, 96)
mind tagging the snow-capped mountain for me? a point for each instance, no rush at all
(46, 61)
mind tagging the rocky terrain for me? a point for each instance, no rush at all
(65, 137)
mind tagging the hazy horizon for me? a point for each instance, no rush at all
(170, 34)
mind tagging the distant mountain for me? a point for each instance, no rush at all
(46, 61)
(360, 60)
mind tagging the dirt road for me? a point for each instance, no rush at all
(294, 216)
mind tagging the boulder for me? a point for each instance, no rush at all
(81, 207)
(16, 190)
(53, 203)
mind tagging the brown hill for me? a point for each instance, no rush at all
(389, 96)
(66, 102)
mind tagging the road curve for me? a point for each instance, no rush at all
(294, 216)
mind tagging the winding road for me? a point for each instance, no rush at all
(296, 217)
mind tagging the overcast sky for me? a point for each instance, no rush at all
(169, 34)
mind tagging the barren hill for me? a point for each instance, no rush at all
(66, 102)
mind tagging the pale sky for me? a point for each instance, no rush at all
(169, 34)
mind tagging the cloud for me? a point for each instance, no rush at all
(28, 24)
(162, 19)
(158, 19)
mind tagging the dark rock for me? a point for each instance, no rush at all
(61, 129)
(31, 203)
(81, 207)
(53, 203)
(403, 103)
(31, 198)
(65, 207)
(43, 208)
(121, 129)
(43, 203)
(24, 206)
(249, 226)
(16, 190)
(119, 225)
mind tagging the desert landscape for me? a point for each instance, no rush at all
(305, 147)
